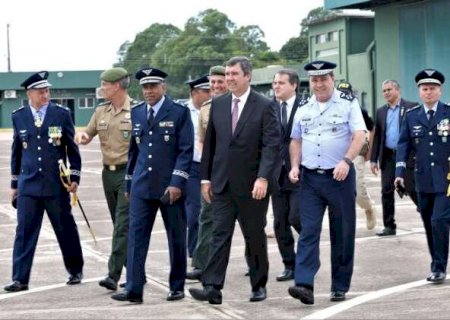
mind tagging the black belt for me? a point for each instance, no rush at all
(318, 171)
(115, 167)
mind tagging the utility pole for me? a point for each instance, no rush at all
(7, 44)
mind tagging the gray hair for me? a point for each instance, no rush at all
(394, 83)
(124, 82)
(243, 61)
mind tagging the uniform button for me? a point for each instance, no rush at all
(319, 134)
(430, 133)
(38, 137)
(431, 143)
(39, 159)
(167, 131)
(318, 144)
(150, 144)
(150, 169)
(432, 164)
(40, 169)
(149, 156)
(39, 148)
(431, 153)
(320, 124)
(318, 155)
(150, 133)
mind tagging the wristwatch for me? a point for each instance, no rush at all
(348, 161)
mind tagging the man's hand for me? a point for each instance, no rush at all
(174, 193)
(374, 168)
(73, 187)
(82, 138)
(340, 172)
(399, 181)
(260, 189)
(127, 196)
(206, 192)
(13, 194)
(294, 174)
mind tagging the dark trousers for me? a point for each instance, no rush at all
(142, 218)
(388, 188)
(192, 205)
(251, 215)
(435, 212)
(286, 213)
(202, 252)
(30, 212)
(317, 192)
(114, 188)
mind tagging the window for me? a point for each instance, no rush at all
(86, 103)
(333, 36)
(327, 53)
(321, 38)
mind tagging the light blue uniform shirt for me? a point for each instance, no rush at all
(392, 127)
(327, 135)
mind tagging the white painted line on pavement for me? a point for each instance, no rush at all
(348, 304)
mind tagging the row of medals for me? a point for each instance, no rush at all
(54, 133)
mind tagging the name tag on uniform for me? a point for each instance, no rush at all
(166, 124)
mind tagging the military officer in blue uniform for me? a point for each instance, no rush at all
(425, 130)
(328, 134)
(159, 161)
(43, 135)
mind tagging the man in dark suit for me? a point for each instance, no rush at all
(426, 130)
(159, 160)
(387, 131)
(285, 194)
(239, 154)
(43, 135)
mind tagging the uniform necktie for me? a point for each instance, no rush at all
(430, 116)
(150, 116)
(234, 114)
(284, 114)
(38, 118)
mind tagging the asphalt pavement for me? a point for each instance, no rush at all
(388, 280)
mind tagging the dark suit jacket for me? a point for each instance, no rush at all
(281, 174)
(380, 133)
(34, 155)
(249, 153)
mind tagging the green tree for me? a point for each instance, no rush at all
(295, 50)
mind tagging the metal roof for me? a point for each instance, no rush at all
(58, 79)
(362, 4)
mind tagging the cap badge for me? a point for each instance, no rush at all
(317, 65)
(147, 71)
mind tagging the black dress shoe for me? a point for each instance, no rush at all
(208, 293)
(304, 294)
(195, 274)
(286, 275)
(388, 231)
(16, 286)
(75, 278)
(175, 295)
(258, 295)
(128, 296)
(108, 283)
(337, 296)
(437, 277)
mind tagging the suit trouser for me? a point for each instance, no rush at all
(318, 191)
(142, 217)
(435, 212)
(30, 212)
(114, 188)
(286, 213)
(251, 215)
(193, 206)
(202, 251)
(362, 196)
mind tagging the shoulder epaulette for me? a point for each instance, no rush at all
(413, 108)
(303, 101)
(21, 108)
(135, 103)
(347, 96)
(62, 107)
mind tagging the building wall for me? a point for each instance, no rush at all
(360, 77)
(409, 38)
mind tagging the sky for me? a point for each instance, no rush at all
(86, 34)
